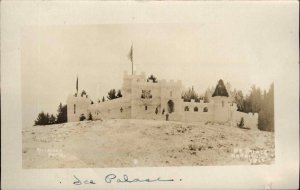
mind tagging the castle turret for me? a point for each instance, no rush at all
(171, 101)
(77, 106)
(221, 100)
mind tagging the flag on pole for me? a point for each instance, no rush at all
(130, 56)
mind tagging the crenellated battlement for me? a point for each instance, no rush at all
(254, 115)
(141, 75)
(193, 102)
(142, 78)
(78, 97)
(170, 82)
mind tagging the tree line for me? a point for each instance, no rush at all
(255, 101)
(49, 119)
(190, 94)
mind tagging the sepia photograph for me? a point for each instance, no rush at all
(149, 95)
(143, 95)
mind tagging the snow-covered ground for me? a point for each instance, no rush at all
(135, 143)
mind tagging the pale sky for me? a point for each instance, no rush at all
(243, 48)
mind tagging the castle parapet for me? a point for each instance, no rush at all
(77, 97)
(193, 101)
(254, 115)
(141, 75)
(170, 83)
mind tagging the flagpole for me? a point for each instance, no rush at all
(131, 58)
(77, 85)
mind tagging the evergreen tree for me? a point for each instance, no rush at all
(61, 114)
(190, 94)
(82, 117)
(119, 94)
(47, 119)
(52, 119)
(103, 99)
(238, 98)
(153, 78)
(207, 95)
(266, 114)
(112, 94)
(83, 93)
(42, 119)
(228, 88)
(253, 101)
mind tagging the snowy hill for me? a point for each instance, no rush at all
(138, 143)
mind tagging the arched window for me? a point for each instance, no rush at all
(121, 110)
(74, 108)
(186, 108)
(195, 109)
(146, 107)
(205, 109)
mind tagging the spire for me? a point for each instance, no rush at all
(220, 89)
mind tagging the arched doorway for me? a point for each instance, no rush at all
(170, 106)
(196, 109)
